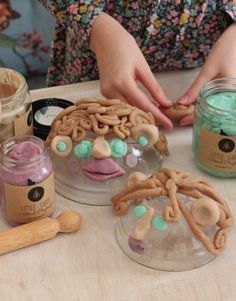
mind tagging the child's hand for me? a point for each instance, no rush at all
(221, 62)
(120, 64)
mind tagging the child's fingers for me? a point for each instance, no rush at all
(129, 92)
(186, 120)
(140, 100)
(113, 93)
(192, 93)
(146, 77)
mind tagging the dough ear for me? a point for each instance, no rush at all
(61, 146)
(146, 135)
(205, 211)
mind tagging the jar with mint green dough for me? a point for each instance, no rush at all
(214, 129)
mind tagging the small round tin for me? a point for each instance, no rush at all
(44, 111)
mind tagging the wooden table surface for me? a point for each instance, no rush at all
(89, 265)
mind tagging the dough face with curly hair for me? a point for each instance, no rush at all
(105, 139)
(204, 211)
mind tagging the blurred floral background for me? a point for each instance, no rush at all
(25, 36)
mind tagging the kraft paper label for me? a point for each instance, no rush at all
(217, 151)
(26, 203)
(23, 124)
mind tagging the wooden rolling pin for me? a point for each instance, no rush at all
(38, 231)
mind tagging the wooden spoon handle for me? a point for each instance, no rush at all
(38, 231)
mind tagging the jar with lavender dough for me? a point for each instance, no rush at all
(214, 130)
(15, 105)
(26, 180)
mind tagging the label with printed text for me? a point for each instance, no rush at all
(23, 124)
(217, 151)
(27, 203)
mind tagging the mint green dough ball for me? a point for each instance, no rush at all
(159, 223)
(142, 140)
(118, 148)
(140, 210)
(61, 146)
(83, 149)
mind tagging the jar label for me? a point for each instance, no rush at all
(23, 124)
(217, 151)
(27, 203)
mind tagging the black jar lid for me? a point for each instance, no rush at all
(44, 111)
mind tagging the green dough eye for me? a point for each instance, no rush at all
(159, 223)
(118, 148)
(61, 146)
(142, 140)
(83, 149)
(139, 211)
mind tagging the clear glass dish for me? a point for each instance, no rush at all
(73, 184)
(172, 247)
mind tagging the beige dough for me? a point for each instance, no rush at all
(178, 111)
(65, 139)
(205, 211)
(101, 148)
(135, 178)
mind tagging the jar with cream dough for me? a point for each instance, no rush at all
(26, 180)
(15, 105)
(214, 130)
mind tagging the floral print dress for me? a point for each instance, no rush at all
(174, 34)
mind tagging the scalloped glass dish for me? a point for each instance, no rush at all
(75, 185)
(173, 247)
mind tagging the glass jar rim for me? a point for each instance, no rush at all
(22, 163)
(23, 85)
(213, 84)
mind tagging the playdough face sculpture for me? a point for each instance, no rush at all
(171, 222)
(98, 143)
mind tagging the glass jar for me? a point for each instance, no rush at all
(27, 180)
(214, 129)
(15, 105)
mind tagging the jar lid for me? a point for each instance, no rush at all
(44, 111)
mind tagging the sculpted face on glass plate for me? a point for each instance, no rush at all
(170, 221)
(98, 143)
